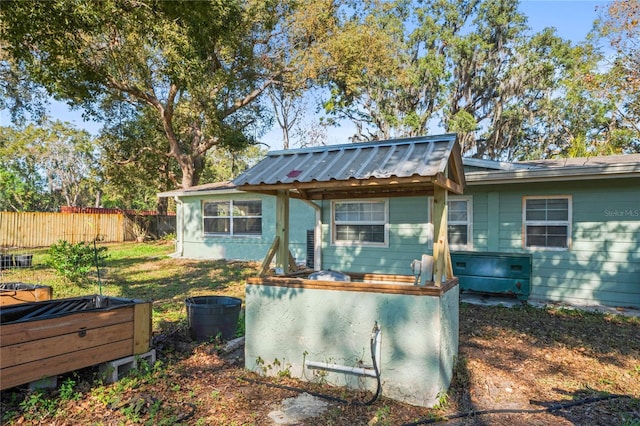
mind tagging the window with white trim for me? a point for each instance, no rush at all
(547, 222)
(459, 222)
(360, 222)
(232, 218)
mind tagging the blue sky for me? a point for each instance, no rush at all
(572, 19)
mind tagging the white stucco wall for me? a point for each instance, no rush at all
(286, 326)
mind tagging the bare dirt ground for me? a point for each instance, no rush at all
(517, 366)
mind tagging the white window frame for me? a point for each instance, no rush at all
(231, 217)
(567, 223)
(469, 222)
(335, 224)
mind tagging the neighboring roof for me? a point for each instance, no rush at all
(205, 189)
(399, 167)
(477, 164)
(580, 168)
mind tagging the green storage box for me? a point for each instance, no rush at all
(496, 273)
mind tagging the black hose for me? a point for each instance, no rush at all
(333, 398)
(551, 408)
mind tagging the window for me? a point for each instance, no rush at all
(360, 222)
(233, 218)
(547, 222)
(459, 222)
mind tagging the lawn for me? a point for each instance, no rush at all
(516, 366)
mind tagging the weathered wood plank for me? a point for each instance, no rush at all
(282, 231)
(269, 257)
(369, 277)
(428, 290)
(36, 370)
(26, 331)
(42, 229)
(41, 349)
(13, 297)
(141, 328)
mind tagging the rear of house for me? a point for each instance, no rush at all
(216, 221)
(577, 219)
(555, 230)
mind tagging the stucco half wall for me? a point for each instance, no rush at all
(290, 321)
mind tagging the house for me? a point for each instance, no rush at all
(217, 221)
(578, 220)
(567, 230)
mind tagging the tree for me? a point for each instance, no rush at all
(44, 167)
(288, 109)
(401, 68)
(620, 84)
(620, 25)
(135, 165)
(19, 95)
(200, 66)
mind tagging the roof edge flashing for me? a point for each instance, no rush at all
(355, 145)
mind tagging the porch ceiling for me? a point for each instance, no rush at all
(391, 168)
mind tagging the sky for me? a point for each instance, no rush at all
(573, 19)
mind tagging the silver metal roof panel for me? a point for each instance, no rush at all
(421, 156)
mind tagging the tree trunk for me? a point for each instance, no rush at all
(163, 206)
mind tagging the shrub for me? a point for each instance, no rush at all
(75, 261)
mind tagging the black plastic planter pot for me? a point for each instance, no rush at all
(209, 316)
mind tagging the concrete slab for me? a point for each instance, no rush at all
(510, 302)
(295, 410)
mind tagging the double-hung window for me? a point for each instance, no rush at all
(547, 222)
(360, 222)
(459, 222)
(232, 218)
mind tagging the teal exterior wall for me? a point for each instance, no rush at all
(602, 266)
(410, 236)
(196, 245)
(286, 326)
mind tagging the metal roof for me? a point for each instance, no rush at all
(204, 189)
(565, 169)
(409, 166)
(603, 160)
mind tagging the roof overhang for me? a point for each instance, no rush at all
(556, 174)
(392, 168)
(206, 189)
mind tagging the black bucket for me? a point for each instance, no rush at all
(23, 260)
(209, 316)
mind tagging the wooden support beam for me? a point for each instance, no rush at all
(282, 232)
(269, 257)
(292, 263)
(444, 182)
(440, 244)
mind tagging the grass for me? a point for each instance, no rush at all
(144, 271)
(551, 355)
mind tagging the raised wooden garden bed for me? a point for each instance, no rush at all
(14, 293)
(44, 339)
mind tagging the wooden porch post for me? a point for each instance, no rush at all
(441, 260)
(282, 232)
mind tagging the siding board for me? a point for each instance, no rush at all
(603, 264)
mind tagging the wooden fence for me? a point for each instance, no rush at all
(38, 229)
